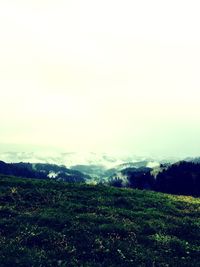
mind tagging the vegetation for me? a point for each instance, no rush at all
(42, 171)
(48, 223)
(181, 178)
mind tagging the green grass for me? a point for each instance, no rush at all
(46, 223)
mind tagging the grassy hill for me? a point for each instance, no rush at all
(46, 223)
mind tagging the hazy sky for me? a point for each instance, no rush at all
(101, 75)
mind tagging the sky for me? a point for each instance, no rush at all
(103, 75)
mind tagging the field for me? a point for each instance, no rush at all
(46, 223)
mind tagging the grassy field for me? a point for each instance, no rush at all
(46, 223)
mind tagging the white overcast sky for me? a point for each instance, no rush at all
(103, 75)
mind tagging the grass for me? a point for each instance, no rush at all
(46, 223)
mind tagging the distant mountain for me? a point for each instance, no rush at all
(42, 171)
(133, 177)
(99, 173)
(71, 159)
(178, 178)
(97, 166)
(138, 164)
(194, 160)
(90, 169)
(165, 175)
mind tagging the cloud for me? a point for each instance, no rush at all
(100, 75)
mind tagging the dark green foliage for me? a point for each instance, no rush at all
(42, 171)
(139, 178)
(46, 223)
(180, 178)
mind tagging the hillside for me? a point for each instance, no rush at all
(48, 223)
(42, 171)
(180, 178)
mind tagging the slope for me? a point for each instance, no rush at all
(46, 223)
